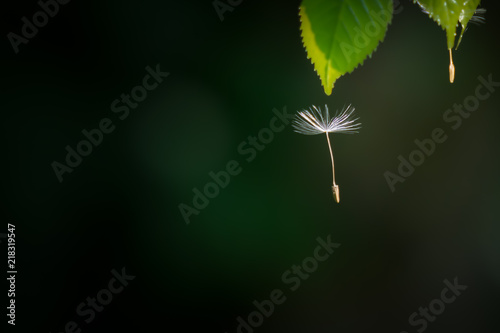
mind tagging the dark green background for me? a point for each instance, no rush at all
(119, 208)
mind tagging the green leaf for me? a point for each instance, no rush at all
(448, 13)
(339, 34)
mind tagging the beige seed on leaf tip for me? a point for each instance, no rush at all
(452, 68)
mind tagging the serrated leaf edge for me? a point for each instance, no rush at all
(328, 90)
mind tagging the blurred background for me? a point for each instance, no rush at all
(120, 207)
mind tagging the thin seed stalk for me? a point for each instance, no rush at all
(335, 187)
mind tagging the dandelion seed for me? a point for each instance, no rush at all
(478, 16)
(451, 69)
(315, 121)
